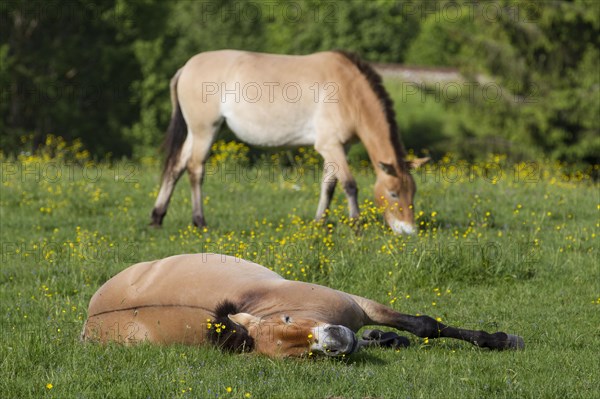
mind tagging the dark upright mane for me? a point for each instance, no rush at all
(227, 335)
(387, 104)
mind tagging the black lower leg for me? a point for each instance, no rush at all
(199, 221)
(425, 326)
(386, 339)
(157, 217)
(350, 188)
(352, 194)
(160, 209)
(329, 190)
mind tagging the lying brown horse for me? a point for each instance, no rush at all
(242, 306)
(327, 100)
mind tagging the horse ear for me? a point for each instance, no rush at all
(418, 162)
(387, 168)
(243, 319)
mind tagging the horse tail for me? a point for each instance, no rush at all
(177, 130)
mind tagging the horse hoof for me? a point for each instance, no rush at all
(199, 223)
(155, 225)
(515, 342)
(156, 218)
(399, 342)
(385, 339)
(371, 334)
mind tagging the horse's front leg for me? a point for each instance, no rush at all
(427, 327)
(336, 168)
(327, 190)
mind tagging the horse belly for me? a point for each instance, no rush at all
(272, 135)
(271, 127)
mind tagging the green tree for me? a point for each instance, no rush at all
(65, 71)
(544, 57)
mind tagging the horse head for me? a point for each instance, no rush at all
(280, 334)
(394, 191)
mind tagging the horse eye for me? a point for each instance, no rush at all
(393, 194)
(287, 319)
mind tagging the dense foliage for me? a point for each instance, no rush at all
(99, 71)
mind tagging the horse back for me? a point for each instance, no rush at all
(245, 66)
(199, 281)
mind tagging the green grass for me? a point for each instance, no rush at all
(518, 255)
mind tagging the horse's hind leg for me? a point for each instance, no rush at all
(427, 327)
(171, 175)
(203, 138)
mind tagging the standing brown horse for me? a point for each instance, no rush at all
(327, 100)
(242, 306)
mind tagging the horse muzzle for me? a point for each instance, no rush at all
(400, 227)
(332, 340)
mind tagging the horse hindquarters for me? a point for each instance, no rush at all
(154, 324)
(120, 327)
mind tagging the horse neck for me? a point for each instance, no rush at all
(374, 133)
(294, 297)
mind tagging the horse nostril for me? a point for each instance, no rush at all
(332, 329)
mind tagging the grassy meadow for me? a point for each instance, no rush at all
(501, 247)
